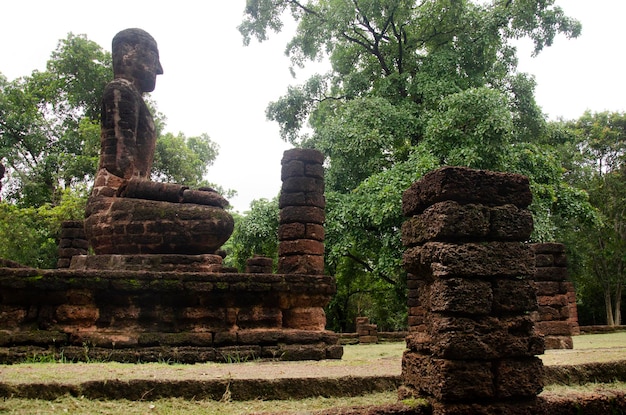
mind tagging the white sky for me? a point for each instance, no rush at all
(213, 84)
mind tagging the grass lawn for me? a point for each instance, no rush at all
(587, 348)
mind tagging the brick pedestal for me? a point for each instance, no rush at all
(472, 343)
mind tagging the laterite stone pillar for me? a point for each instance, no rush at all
(472, 342)
(557, 317)
(302, 215)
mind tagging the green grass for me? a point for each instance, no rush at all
(72, 405)
(587, 348)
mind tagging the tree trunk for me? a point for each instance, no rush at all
(608, 305)
(617, 314)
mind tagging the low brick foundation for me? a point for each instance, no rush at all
(154, 315)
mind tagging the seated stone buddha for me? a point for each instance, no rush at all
(127, 213)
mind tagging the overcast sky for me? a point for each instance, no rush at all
(213, 84)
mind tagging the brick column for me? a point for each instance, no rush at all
(472, 344)
(302, 216)
(367, 332)
(554, 295)
(72, 242)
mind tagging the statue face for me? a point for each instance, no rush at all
(146, 66)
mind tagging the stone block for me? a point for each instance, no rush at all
(549, 248)
(300, 247)
(448, 380)
(559, 342)
(308, 155)
(302, 199)
(259, 317)
(516, 296)
(302, 184)
(79, 315)
(483, 260)
(466, 186)
(301, 264)
(304, 214)
(370, 339)
(460, 295)
(550, 274)
(304, 318)
(298, 230)
(554, 328)
(544, 260)
(557, 301)
(314, 170)
(550, 288)
(477, 338)
(510, 223)
(518, 378)
(446, 221)
(291, 168)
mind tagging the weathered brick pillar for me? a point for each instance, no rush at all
(573, 308)
(472, 344)
(553, 296)
(259, 265)
(72, 242)
(367, 332)
(302, 216)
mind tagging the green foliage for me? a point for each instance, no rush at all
(48, 133)
(183, 160)
(598, 247)
(255, 233)
(31, 234)
(413, 85)
(471, 128)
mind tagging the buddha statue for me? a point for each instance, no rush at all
(127, 213)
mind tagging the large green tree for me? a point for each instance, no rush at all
(412, 85)
(597, 151)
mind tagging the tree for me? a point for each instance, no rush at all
(184, 160)
(599, 140)
(49, 129)
(255, 233)
(412, 86)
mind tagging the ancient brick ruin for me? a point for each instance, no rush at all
(556, 318)
(366, 331)
(472, 342)
(156, 288)
(176, 307)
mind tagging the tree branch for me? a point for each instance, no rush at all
(369, 268)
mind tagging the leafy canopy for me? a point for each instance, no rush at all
(412, 85)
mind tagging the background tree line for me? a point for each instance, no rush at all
(412, 85)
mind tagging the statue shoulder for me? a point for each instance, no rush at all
(122, 86)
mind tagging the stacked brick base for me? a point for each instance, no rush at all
(472, 343)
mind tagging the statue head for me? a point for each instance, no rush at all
(136, 58)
